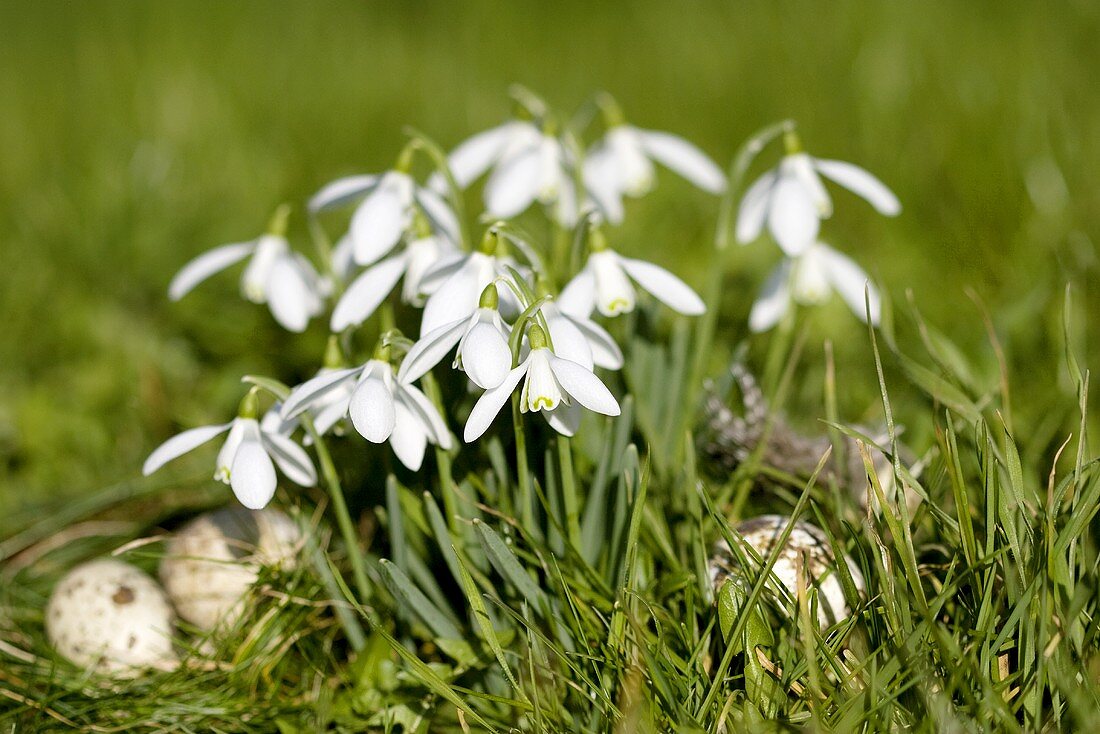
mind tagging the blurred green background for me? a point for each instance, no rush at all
(134, 135)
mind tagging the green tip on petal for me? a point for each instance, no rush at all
(382, 351)
(405, 159)
(791, 142)
(490, 239)
(489, 297)
(612, 113)
(597, 240)
(537, 337)
(250, 405)
(277, 225)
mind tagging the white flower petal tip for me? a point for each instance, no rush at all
(862, 183)
(207, 264)
(685, 159)
(253, 476)
(181, 444)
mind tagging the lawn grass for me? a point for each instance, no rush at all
(136, 136)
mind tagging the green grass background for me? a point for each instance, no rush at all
(134, 135)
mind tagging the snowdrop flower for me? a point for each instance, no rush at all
(373, 285)
(245, 459)
(456, 284)
(277, 276)
(810, 279)
(482, 339)
(387, 210)
(605, 284)
(382, 408)
(792, 200)
(576, 337)
(621, 164)
(477, 154)
(555, 386)
(536, 170)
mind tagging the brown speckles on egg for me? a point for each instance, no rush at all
(807, 552)
(112, 617)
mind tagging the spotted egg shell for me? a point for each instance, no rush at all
(807, 545)
(112, 617)
(212, 562)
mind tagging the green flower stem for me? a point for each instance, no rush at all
(443, 460)
(569, 492)
(340, 506)
(521, 465)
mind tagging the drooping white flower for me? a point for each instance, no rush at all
(277, 276)
(621, 164)
(482, 340)
(370, 288)
(552, 385)
(810, 279)
(456, 284)
(604, 283)
(538, 169)
(580, 339)
(480, 152)
(791, 200)
(387, 210)
(381, 407)
(245, 461)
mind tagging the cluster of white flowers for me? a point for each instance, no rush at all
(493, 305)
(791, 200)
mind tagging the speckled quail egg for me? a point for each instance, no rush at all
(112, 617)
(212, 562)
(807, 544)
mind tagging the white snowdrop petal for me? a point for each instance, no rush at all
(207, 264)
(439, 214)
(476, 154)
(605, 352)
(342, 191)
(430, 350)
(665, 287)
(436, 274)
(458, 296)
(343, 257)
(566, 419)
(614, 292)
(850, 281)
(486, 358)
(754, 208)
(800, 167)
(540, 390)
(425, 411)
(328, 417)
(367, 292)
(291, 459)
(380, 220)
(602, 182)
(490, 403)
(792, 216)
(408, 439)
(578, 298)
(774, 299)
(582, 385)
(253, 475)
(861, 182)
(515, 183)
(180, 444)
(315, 389)
(289, 295)
(569, 342)
(685, 159)
(371, 409)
